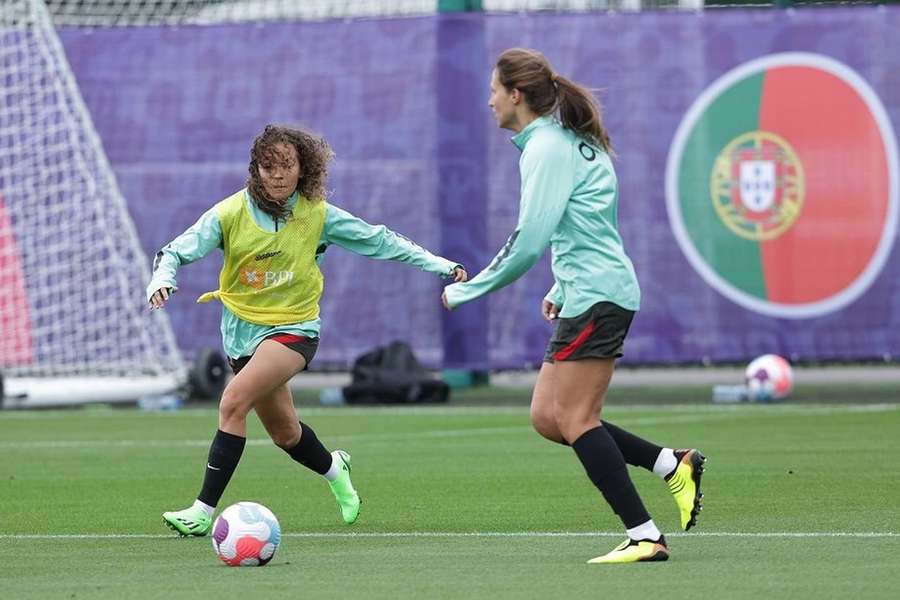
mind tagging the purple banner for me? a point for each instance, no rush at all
(404, 104)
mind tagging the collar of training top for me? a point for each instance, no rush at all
(521, 138)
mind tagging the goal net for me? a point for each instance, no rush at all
(94, 13)
(74, 324)
(87, 13)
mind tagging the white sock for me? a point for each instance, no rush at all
(665, 462)
(334, 470)
(644, 531)
(209, 510)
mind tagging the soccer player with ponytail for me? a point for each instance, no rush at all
(569, 196)
(273, 234)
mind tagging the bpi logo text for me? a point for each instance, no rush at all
(258, 279)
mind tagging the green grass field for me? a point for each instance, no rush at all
(458, 502)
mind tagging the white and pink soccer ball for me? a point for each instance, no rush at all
(768, 378)
(246, 534)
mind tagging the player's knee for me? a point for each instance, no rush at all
(571, 424)
(233, 406)
(544, 423)
(285, 439)
(285, 436)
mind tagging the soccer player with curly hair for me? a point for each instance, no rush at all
(273, 234)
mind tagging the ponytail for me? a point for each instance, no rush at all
(580, 112)
(547, 92)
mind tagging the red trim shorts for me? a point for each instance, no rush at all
(304, 346)
(598, 332)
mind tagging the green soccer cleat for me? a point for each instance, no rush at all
(684, 483)
(631, 551)
(342, 489)
(190, 521)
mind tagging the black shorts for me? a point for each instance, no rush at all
(304, 346)
(598, 332)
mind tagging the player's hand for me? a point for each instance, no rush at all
(159, 297)
(459, 275)
(549, 310)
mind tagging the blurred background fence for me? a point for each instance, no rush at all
(178, 89)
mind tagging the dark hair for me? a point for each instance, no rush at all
(547, 92)
(313, 154)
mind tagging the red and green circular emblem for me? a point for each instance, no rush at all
(782, 185)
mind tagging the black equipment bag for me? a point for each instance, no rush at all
(392, 375)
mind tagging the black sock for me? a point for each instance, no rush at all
(605, 466)
(310, 452)
(224, 454)
(637, 451)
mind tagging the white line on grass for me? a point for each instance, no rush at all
(470, 534)
(360, 437)
(262, 441)
(706, 414)
(468, 410)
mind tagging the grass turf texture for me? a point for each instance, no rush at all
(429, 477)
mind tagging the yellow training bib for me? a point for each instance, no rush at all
(270, 278)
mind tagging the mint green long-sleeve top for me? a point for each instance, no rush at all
(240, 337)
(569, 197)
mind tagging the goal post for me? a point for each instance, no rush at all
(74, 323)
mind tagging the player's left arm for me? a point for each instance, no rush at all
(377, 241)
(547, 183)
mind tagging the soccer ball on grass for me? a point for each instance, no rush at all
(246, 534)
(768, 378)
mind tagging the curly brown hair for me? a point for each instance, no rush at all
(313, 154)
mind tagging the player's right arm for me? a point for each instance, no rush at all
(547, 172)
(197, 241)
(552, 302)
